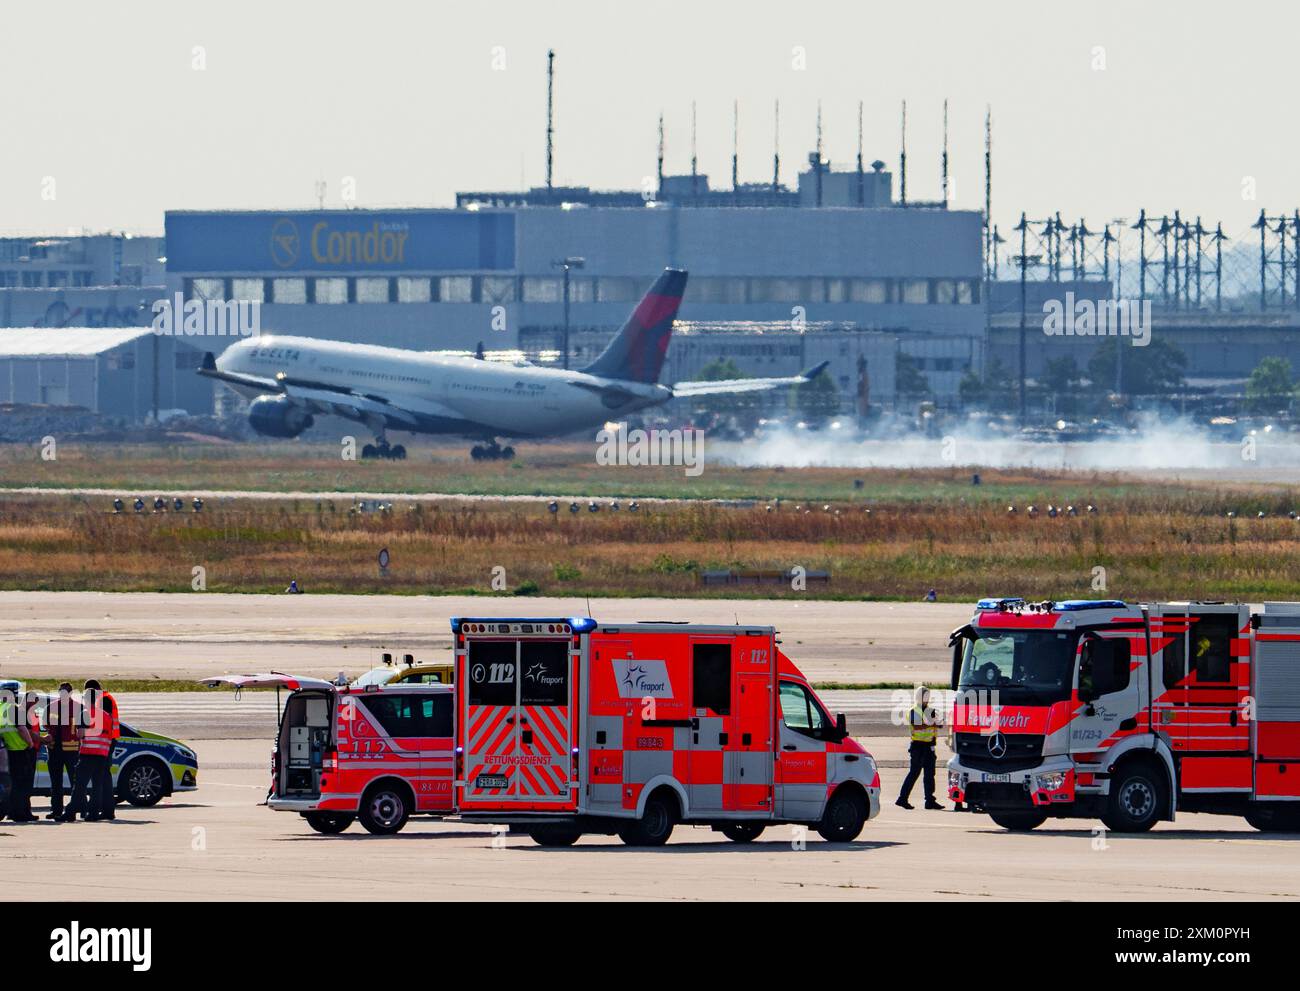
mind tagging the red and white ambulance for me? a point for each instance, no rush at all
(570, 726)
(1127, 713)
(378, 754)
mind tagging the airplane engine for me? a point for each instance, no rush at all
(276, 416)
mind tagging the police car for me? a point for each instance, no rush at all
(147, 767)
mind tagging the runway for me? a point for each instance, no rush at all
(151, 635)
(218, 843)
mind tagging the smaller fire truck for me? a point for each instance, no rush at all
(570, 726)
(1127, 713)
(376, 753)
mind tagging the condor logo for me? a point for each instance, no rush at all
(642, 679)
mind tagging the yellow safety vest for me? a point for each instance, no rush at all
(922, 732)
(13, 739)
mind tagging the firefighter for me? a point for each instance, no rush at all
(21, 750)
(92, 787)
(923, 721)
(61, 745)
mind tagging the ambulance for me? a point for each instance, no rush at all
(570, 726)
(1127, 713)
(377, 754)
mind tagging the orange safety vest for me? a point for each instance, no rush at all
(113, 724)
(96, 740)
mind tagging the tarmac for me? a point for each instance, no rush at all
(219, 843)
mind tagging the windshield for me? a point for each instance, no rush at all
(375, 676)
(1025, 666)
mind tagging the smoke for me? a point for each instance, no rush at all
(1155, 445)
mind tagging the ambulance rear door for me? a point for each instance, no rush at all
(517, 707)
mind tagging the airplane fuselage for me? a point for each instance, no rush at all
(445, 394)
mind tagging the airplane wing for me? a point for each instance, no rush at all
(731, 386)
(323, 399)
(210, 370)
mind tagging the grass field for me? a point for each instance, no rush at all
(924, 529)
(562, 469)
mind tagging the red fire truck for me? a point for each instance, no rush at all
(569, 726)
(377, 754)
(1127, 713)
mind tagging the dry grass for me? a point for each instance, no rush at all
(1155, 543)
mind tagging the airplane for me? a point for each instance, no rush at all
(291, 380)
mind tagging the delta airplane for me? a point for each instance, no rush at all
(291, 380)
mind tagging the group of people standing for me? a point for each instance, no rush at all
(78, 737)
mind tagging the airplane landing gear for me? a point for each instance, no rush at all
(491, 452)
(381, 449)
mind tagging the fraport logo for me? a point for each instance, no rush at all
(642, 679)
(104, 945)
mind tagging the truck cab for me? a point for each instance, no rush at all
(377, 754)
(1127, 713)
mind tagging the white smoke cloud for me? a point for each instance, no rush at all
(1156, 445)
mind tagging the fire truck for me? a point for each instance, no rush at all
(1127, 713)
(570, 726)
(375, 753)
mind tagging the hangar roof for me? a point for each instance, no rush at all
(65, 342)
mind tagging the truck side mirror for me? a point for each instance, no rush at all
(841, 726)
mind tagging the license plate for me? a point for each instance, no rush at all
(1003, 778)
(490, 782)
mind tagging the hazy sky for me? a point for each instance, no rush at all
(403, 97)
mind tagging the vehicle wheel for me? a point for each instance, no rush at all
(1270, 820)
(399, 453)
(1136, 798)
(384, 809)
(844, 818)
(329, 823)
(1019, 822)
(476, 452)
(557, 835)
(743, 832)
(508, 453)
(142, 783)
(655, 825)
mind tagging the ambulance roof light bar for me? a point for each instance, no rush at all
(522, 624)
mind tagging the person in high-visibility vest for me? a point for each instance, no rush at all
(20, 748)
(61, 745)
(923, 723)
(113, 730)
(93, 785)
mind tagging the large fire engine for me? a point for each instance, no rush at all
(1128, 713)
(569, 726)
(377, 754)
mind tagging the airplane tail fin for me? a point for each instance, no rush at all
(637, 351)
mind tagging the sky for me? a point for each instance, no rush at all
(117, 111)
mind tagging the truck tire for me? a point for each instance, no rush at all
(1019, 822)
(655, 825)
(555, 835)
(1137, 794)
(743, 832)
(845, 815)
(1272, 820)
(385, 807)
(329, 823)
